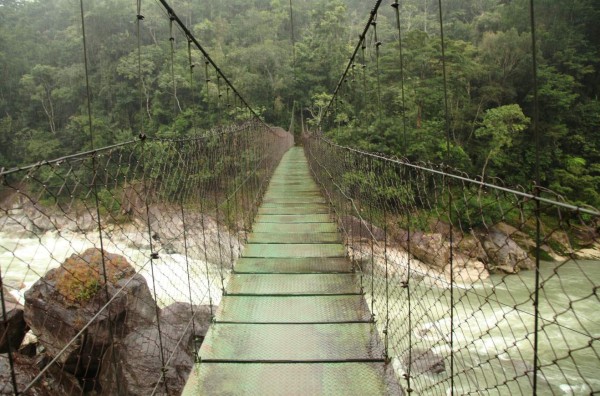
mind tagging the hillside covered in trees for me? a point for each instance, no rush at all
(488, 62)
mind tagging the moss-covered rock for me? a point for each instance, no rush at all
(80, 277)
(70, 302)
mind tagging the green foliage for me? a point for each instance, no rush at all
(87, 290)
(472, 210)
(109, 204)
(500, 127)
(488, 128)
(488, 66)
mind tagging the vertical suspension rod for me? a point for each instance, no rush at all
(191, 37)
(396, 6)
(536, 297)
(450, 203)
(95, 187)
(354, 53)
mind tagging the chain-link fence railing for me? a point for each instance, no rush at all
(475, 288)
(170, 216)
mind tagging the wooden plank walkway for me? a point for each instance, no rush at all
(293, 320)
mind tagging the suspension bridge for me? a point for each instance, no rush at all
(239, 261)
(293, 309)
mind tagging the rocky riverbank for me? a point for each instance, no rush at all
(475, 255)
(65, 331)
(206, 239)
(56, 326)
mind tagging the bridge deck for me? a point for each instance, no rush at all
(293, 321)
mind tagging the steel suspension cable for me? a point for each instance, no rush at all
(536, 192)
(176, 104)
(94, 184)
(191, 70)
(208, 58)
(449, 188)
(396, 7)
(377, 72)
(153, 256)
(293, 38)
(406, 285)
(362, 36)
(139, 19)
(207, 83)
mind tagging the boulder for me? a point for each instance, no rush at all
(132, 201)
(179, 314)
(586, 235)
(207, 238)
(139, 356)
(29, 345)
(12, 323)
(471, 247)
(53, 382)
(468, 270)
(432, 249)
(424, 361)
(560, 242)
(81, 222)
(40, 219)
(15, 222)
(504, 253)
(69, 300)
(358, 228)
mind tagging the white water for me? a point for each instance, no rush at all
(24, 260)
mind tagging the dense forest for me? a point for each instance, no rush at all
(488, 62)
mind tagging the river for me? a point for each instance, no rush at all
(494, 332)
(493, 323)
(24, 260)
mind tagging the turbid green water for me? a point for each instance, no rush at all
(494, 332)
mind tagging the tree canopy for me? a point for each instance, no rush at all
(488, 59)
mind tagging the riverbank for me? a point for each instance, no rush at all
(473, 256)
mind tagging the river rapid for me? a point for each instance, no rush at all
(24, 260)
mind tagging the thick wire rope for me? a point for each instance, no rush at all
(176, 104)
(407, 225)
(95, 186)
(372, 244)
(377, 71)
(396, 7)
(181, 204)
(139, 19)
(538, 225)
(207, 85)
(191, 322)
(218, 214)
(293, 38)
(363, 55)
(352, 57)
(387, 280)
(449, 188)
(219, 116)
(153, 256)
